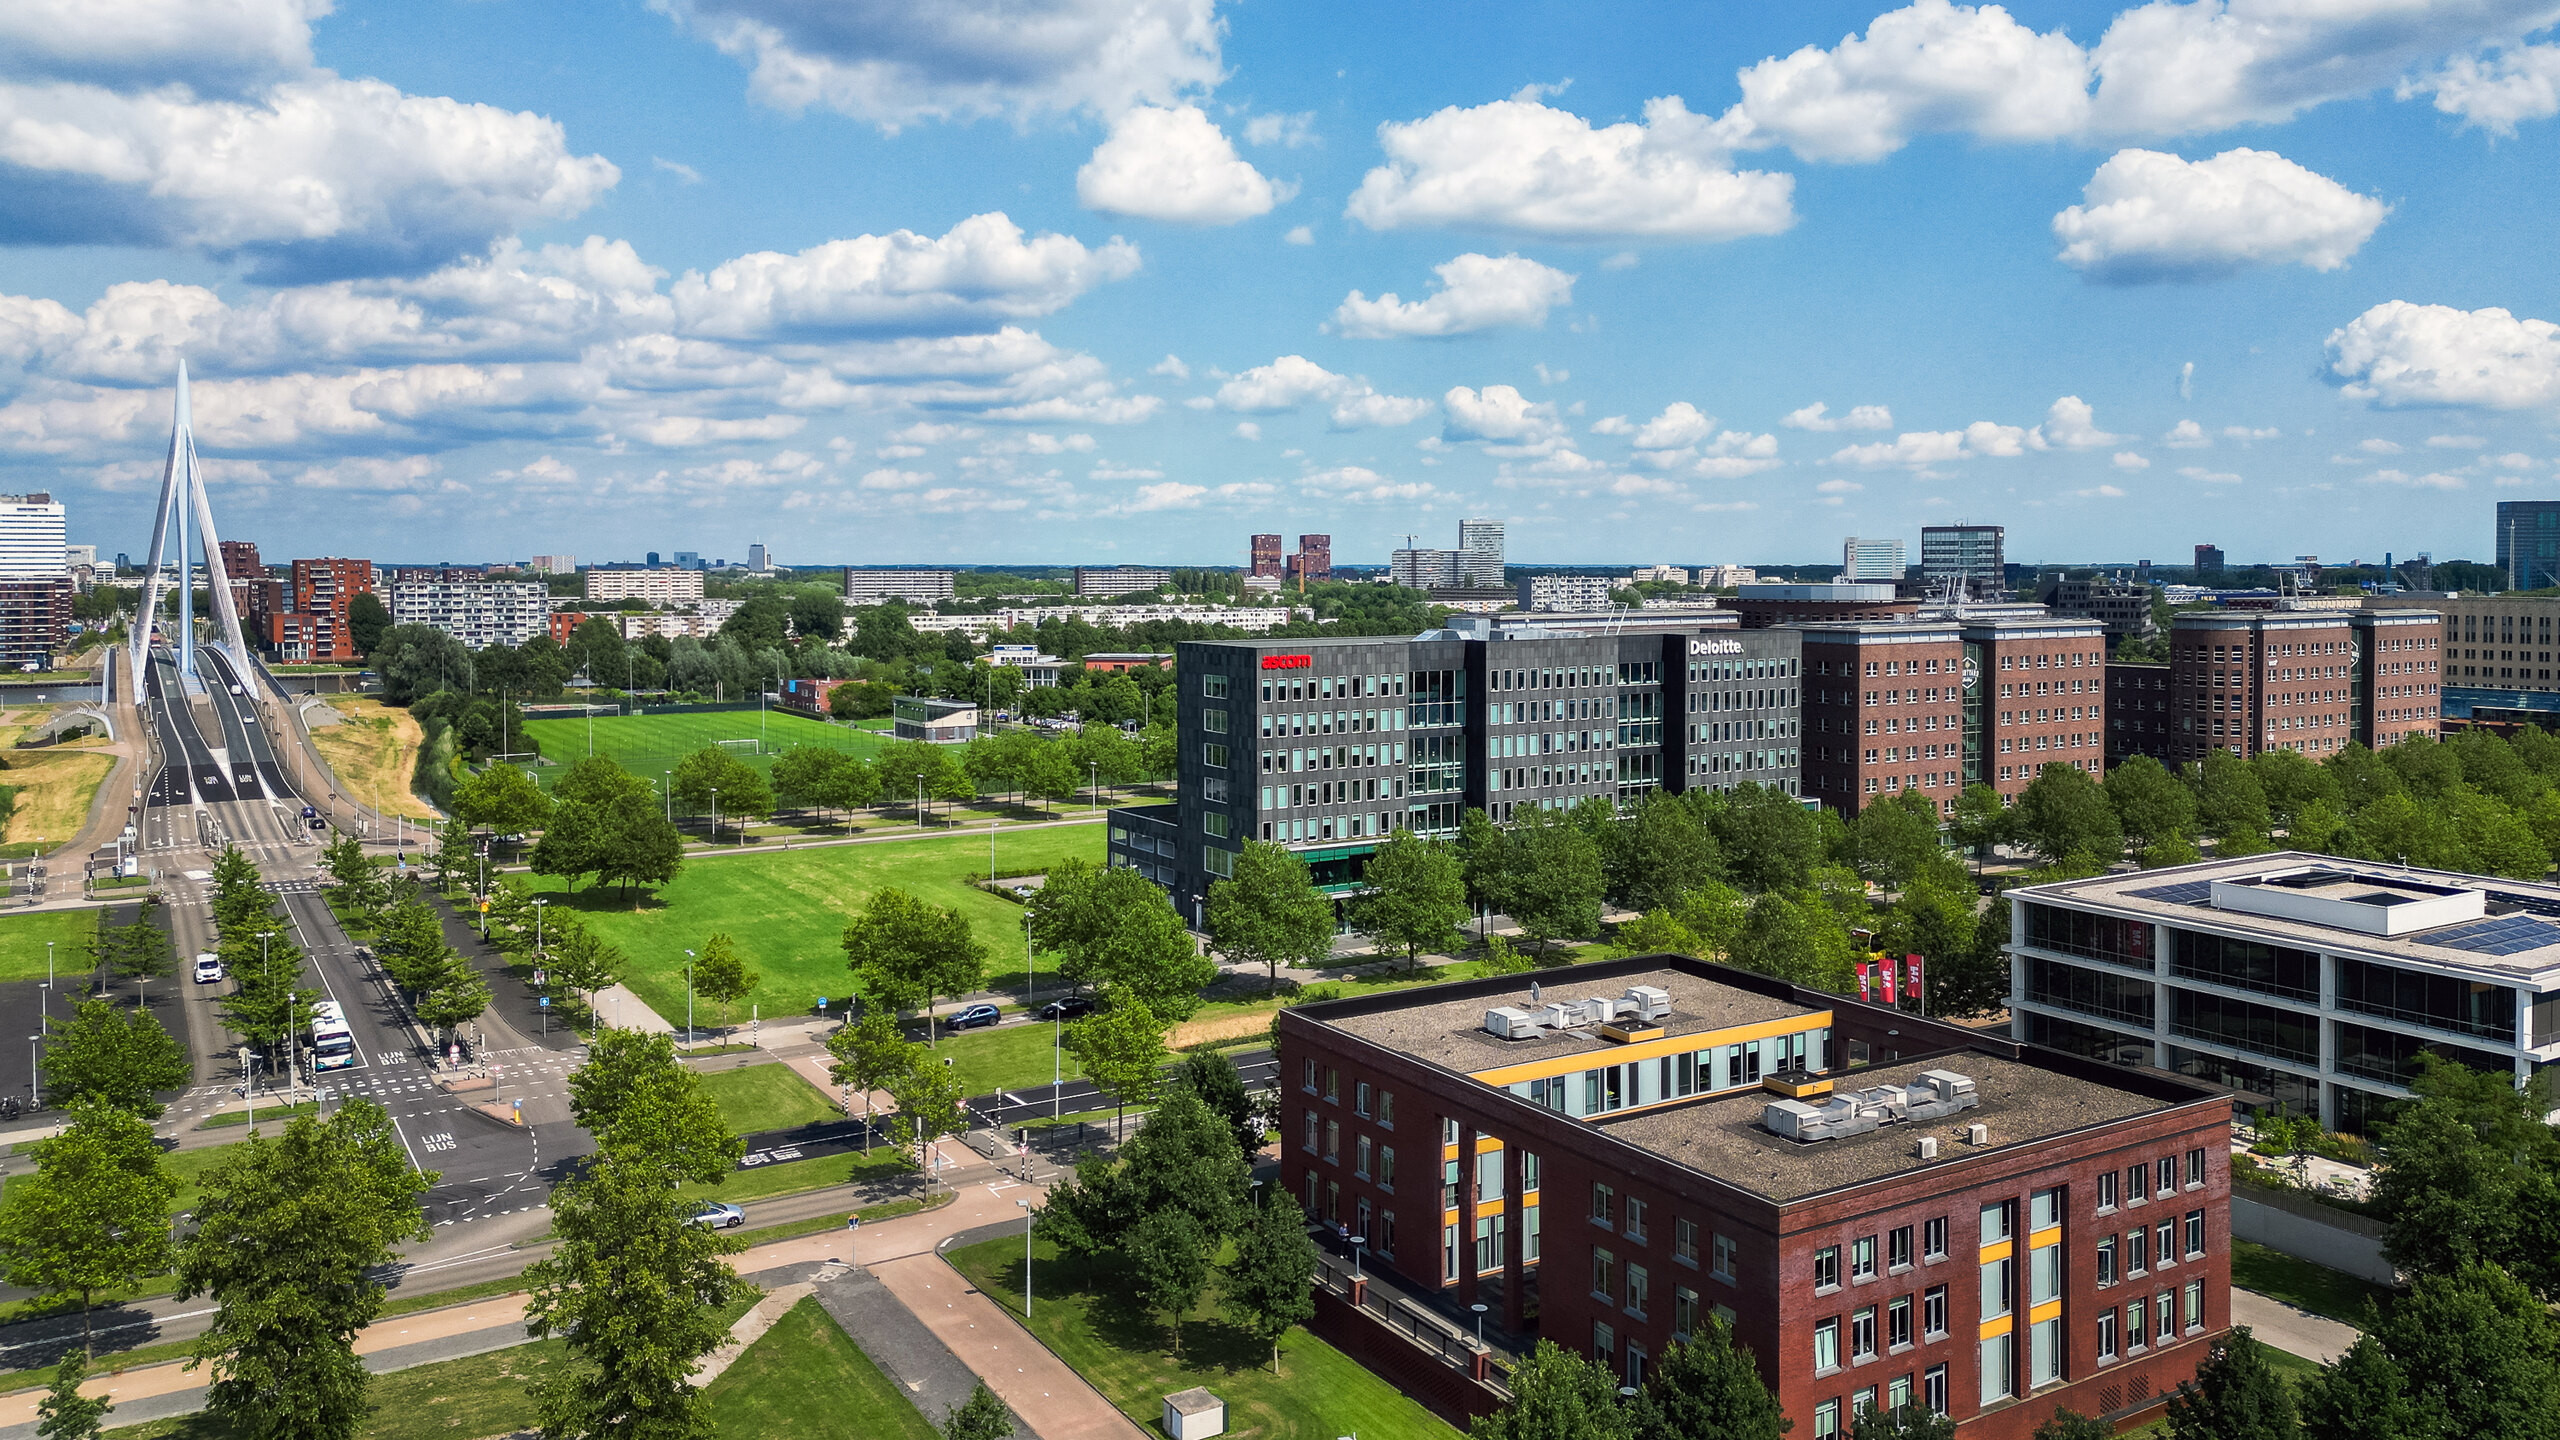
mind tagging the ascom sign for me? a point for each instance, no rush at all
(1287, 662)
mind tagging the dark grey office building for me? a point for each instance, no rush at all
(2529, 543)
(1329, 746)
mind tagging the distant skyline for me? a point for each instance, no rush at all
(1077, 281)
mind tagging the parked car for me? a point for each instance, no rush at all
(208, 969)
(719, 1215)
(972, 1017)
(1068, 1008)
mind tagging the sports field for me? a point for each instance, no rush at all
(785, 910)
(650, 745)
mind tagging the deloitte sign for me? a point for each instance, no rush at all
(1715, 647)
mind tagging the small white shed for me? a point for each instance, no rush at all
(1194, 1415)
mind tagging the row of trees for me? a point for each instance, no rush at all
(441, 986)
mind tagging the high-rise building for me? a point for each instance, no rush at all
(1266, 556)
(657, 586)
(870, 587)
(1566, 592)
(1314, 560)
(2529, 543)
(2492, 642)
(1480, 553)
(759, 559)
(477, 613)
(2122, 606)
(1967, 553)
(553, 564)
(322, 590)
(1120, 579)
(1864, 559)
(1423, 569)
(2208, 560)
(255, 591)
(32, 536)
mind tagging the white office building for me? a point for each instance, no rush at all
(32, 536)
(660, 586)
(1866, 559)
(1480, 554)
(2299, 981)
(916, 587)
(479, 613)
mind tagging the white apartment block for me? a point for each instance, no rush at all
(1663, 574)
(1120, 579)
(1566, 592)
(660, 587)
(31, 536)
(870, 587)
(553, 564)
(1252, 618)
(477, 613)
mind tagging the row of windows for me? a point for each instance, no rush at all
(2146, 1322)
(2145, 1247)
(1895, 1317)
(1893, 1395)
(1862, 1254)
(1317, 687)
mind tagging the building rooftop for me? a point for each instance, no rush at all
(2021, 1104)
(2507, 930)
(1451, 1034)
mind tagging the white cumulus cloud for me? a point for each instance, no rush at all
(1521, 166)
(2131, 460)
(1173, 164)
(1498, 413)
(1679, 424)
(2186, 435)
(982, 269)
(2151, 216)
(2494, 90)
(2072, 424)
(1817, 417)
(2398, 353)
(1477, 292)
(1294, 380)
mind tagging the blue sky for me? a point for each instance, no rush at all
(1082, 281)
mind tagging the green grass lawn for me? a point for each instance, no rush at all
(2304, 1285)
(766, 1097)
(785, 910)
(1084, 1316)
(794, 1177)
(1006, 1056)
(805, 1377)
(23, 937)
(648, 745)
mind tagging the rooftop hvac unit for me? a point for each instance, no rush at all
(1977, 1134)
(1928, 1147)
(1600, 1009)
(1510, 1024)
(1563, 1015)
(1932, 1095)
(1651, 1002)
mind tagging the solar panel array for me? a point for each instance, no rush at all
(2504, 935)
(2185, 892)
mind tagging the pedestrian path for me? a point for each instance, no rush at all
(2296, 1332)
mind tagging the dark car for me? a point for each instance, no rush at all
(972, 1017)
(1068, 1008)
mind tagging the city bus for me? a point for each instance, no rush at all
(333, 1045)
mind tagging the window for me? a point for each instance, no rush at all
(2044, 1210)
(1604, 1205)
(2106, 1192)
(1933, 1312)
(2195, 1234)
(2164, 1244)
(2167, 1169)
(1639, 1290)
(1897, 1392)
(2137, 1184)
(2107, 1335)
(1826, 1268)
(2195, 1305)
(1604, 1345)
(1897, 1248)
(1933, 1389)
(1333, 1141)
(2137, 1251)
(1684, 1310)
(1933, 1238)
(2195, 1168)
(1997, 1220)
(1360, 1150)
(1634, 1228)
(1386, 1167)
(1387, 1109)
(1862, 1334)
(2165, 1307)
(1308, 1082)
(2107, 1261)
(1826, 1346)
(1213, 687)
(2044, 1274)
(2137, 1323)
(1332, 1085)
(1998, 1294)
(1308, 1141)
(2044, 1352)
(1997, 1383)
(1604, 1275)
(1360, 1098)
(1897, 1323)
(1862, 1258)
(1724, 1257)
(1826, 1420)
(1684, 1240)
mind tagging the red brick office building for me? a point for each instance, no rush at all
(1883, 712)
(2306, 680)
(1989, 1228)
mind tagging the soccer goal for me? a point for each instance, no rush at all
(750, 745)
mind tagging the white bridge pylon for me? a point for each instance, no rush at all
(182, 493)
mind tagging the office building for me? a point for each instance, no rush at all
(2304, 680)
(32, 537)
(687, 560)
(2137, 712)
(1887, 1210)
(1102, 580)
(916, 587)
(2529, 543)
(1328, 746)
(1118, 662)
(1039, 672)
(759, 559)
(1566, 592)
(1966, 555)
(1871, 560)
(553, 565)
(936, 722)
(2208, 560)
(1480, 554)
(2122, 606)
(479, 613)
(2492, 642)
(1724, 577)
(322, 590)
(1265, 557)
(1658, 574)
(1761, 606)
(1313, 562)
(1423, 569)
(660, 586)
(2301, 981)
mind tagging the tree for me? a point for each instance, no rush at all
(1552, 879)
(239, 894)
(633, 1095)
(1982, 819)
(1269, 912)
(1417, 896)
(635, 1288)
(722, 976)
(1907, 1421)
(870, 1054)
(455, 855)
(289, 1235)
(453, 998)
(1896, 838)
(1168, 1260)
(2151, 806)
(639, 846)
(1270, 1284)
(1707, 1388)
(1767, 837)
(713, 779)
(571, 845)
(2064, 816)
(347, 864)
(1932, 921)
(94, 1217)
(502, 798)
(2470, 1174)
(1657, 856)
(118, 1057)
(1213, 1078)
(368, 620)
(2236, 1395)
(2362, 1393)
(140, 951)
(2481, 1355)
(930, 1105)
(2230, 806)
(582, 962)
(2066, 1423)
(983, 1417)
(65, 1413)
(1112, 930)
(1122, 1051)
(906, 952)
(265, 1006)
(1796, 938)
(1557, 1395)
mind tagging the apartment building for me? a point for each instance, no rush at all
(322, 590)
(915, 587)
(1102, 580)
(479, 614)
(660, 586)
(1567, 592)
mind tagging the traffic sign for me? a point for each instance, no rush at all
(822, 1002)
(546, 1002)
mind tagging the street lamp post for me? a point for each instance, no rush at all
(44, 1007)
(32, 1042)
(1093, 769)
(688, 997)
(715, 814)
(671, 795)
(1358, 1243)
(538, 904)
(1479, 1308)
(1026, 1257)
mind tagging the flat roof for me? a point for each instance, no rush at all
(2021, 1104)
(1451, 1034)
(2516, 939)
